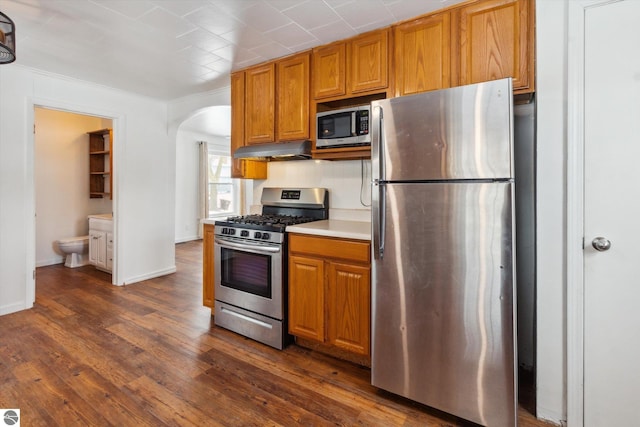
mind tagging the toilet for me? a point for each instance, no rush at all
(76, 249)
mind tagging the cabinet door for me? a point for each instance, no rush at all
(369, 61)
(207, 265)
(241, 168)
(237, 122)
(496, 41)
(422, 55)
(349, 307)
(329, 71)
(293, 98)
(306, 297)
(260, 100)
(109, 254)
(98, 248)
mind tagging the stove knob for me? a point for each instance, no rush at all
(244, 233)
(265, 236)
(232, 231)
(225, 231)
(257, 235)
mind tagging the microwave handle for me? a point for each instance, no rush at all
(354, 119)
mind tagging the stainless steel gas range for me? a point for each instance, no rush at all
(251, 263)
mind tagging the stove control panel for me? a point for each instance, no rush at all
(241, 234)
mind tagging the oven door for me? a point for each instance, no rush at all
(249, 275)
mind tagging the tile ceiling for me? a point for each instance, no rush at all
(168, 49)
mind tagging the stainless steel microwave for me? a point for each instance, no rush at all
(347, 127)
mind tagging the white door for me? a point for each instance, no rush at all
(612, 211)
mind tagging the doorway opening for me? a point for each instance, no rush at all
(62, 176)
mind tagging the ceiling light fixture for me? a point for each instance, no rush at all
(7, 40)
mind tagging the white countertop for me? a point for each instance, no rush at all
(106, 216)
(359, 230)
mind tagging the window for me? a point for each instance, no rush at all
(223, 191)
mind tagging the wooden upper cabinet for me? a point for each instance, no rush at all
(495, 40)
(241, 168)
(237, 121)
(363, 59)
(422, 54)
(368, 61)
(329, 70)
(293, 98)
(260, 103)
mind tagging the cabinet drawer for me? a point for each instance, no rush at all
(328, 247)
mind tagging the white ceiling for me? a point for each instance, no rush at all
(169, 49)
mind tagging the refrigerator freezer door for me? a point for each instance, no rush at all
(459, 133)
(443, 299)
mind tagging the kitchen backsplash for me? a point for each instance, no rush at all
(348, 181)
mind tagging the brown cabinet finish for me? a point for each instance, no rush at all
(330, 70)
(364, 59)
(260, 97)
(100, 164)
(293, 98)
(237, 121)
(368, 61)
(306, 297)
(474, 42)
(495, 40)
(241, 168)
(330, 291)
(422, 55)
(207, 265)
(349, 307)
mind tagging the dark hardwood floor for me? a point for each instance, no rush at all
(148, 354)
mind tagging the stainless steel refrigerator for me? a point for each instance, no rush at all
(443, 330)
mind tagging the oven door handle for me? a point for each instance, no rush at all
(241, 246)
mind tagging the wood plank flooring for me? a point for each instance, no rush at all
(148, 354)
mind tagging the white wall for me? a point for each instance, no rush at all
(61, 170)
(143, 172)
(348, 181)
(551, 98)
(187, 186)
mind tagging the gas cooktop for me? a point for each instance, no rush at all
(282, 207)
(266, 222)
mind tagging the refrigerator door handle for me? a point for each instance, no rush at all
(379, 218)
(377, 186)
(377, 144)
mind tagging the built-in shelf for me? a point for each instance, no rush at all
(100, 163)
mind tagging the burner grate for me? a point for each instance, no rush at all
(270, 220)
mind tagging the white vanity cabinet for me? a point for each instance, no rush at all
(101, 241)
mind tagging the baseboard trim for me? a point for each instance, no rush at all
(13, 308)
(50, 261)
(152, 275)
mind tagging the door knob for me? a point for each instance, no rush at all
(601, 244)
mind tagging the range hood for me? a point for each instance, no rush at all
(293, 150)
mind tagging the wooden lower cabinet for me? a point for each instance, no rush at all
(348, 307)
(330, 292)
(207, 265)
(306, 297)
